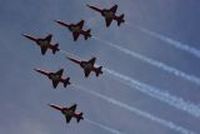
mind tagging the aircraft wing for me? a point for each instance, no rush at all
(75, 35)
(114, 8)
(60, 72)
(43, 50)
(92, 61)
(81, 23)
(108, 21)
(73, 108)
(55, 83)
(87, 72)
(68, 118)
(48, 38)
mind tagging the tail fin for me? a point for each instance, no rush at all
(55, 48)
(99, 71)
(79, 117)
(120, 20)
(87, 34)
(66, 82)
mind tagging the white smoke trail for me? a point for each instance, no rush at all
(163, 96)
(111, 130)
(153, 62)
(153, 118)
(172, 42)
(68, 53)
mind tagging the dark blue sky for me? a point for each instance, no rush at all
(24, 94)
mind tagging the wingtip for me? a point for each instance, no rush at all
(50, 34)
(75, 40)
(82, 20)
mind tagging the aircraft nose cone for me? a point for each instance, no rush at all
(51, 105)
(36, 69)
(69, 58)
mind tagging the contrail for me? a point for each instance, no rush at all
(163, 96)
(153, 118)
(153, 62)
(172, 42)
(155, 93)
(111, 130)
(68, 53)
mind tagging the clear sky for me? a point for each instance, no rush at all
(24, 94)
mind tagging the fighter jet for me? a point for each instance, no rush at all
(88, 66)
(69, 112)
(109, 15)
(76, 29)
(44, 43)
(56, 77)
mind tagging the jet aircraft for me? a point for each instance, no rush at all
(109, 15)
(56, 77)
(76, 29)
(44, 43)
(69, 112)
(88, 66)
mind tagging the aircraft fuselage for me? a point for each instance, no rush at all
(108, 14)
(43, 43)
(87, 66)
(68, 112)
(54, 77)
(75, 29)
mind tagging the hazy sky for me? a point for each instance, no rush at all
(24, 94)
